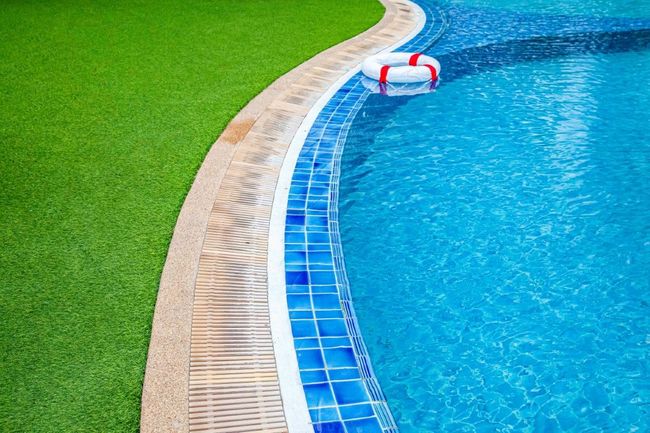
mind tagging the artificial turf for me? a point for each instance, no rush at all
(107, 110)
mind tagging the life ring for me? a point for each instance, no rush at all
(401, 68)
(399, 89)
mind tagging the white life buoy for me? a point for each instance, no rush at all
(401, 68)
(399, 89)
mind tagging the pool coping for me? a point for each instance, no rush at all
(308, 275)
(215, 269)
(293, 395)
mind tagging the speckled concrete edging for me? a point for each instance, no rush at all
(211, 365)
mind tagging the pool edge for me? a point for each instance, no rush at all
(166, 388)
(293, 397)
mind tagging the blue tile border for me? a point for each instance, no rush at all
(342, 392)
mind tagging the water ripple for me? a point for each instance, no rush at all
(497, 239)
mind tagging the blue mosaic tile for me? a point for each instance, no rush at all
(318, 238)
(313, 376)
(317, 204)
(344, 374)
(356, 411)
(340, 357)
(319, 267)
(385, 417)
(294, 277)
(295, 257)
(320, 257)
(350, 392)
(297, 289)
(324, 289)
(303, 328)
(306, 343)
(330, 427)
(332, 328)
(310, 359)
(368, 425)
(322, 278)
(301, 314)
(295, 220)
(296, 204)
(294, 238)
(342, 392)
(324, 414)
(299, 302)
(329, 314)
(336, 342)
(296, 189)
(319, 394)
(317, 247)
(326, 302)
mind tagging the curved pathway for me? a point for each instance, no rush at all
(211, 365)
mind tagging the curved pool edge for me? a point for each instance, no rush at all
(295, 404)
(229, 197)
(340, 392)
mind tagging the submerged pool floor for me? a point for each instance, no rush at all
(497, 240)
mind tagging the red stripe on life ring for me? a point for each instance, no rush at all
(383, 74)
(413, 60)
(434, 73)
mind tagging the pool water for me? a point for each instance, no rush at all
(497, 240)
(600, 8)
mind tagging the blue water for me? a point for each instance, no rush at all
(599, 8)
(497, 233)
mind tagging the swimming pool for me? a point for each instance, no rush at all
(497, 231)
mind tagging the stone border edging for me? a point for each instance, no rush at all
(166, 389)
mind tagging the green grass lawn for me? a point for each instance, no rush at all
(107, 110)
